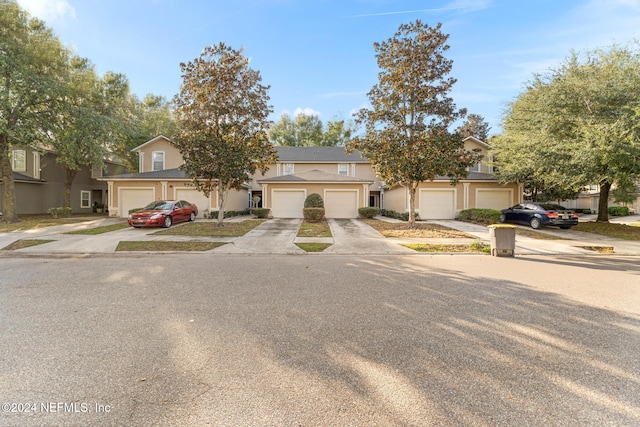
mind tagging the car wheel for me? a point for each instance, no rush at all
(503, 219)
(535, 223)
(192, 217)
(167, 222)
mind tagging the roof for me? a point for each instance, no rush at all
(316, 176)
(151, 141)
(318, 155)
(18, 177)
(155, 175)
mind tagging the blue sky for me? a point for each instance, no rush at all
(318, 55)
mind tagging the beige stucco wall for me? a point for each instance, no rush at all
(172, 157)
(320, 188)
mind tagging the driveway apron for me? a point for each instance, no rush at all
(355, 237)
(275, 236)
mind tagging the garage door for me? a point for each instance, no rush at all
(287, 203)
(493, 199)
(192, 195)
(341, 203)
(132, 198)
(437, 204)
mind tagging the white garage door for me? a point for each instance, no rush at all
(437, 204)
(493, 199)
(132, 198)
(287, 203)
(341, 204)
(192, 195)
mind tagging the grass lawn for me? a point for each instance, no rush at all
(313, 247)
(101, 229)
(402, 229)
(25, 243)
(32, 222)
(618, 231)
(210, 229)
(167, 246)
(476, 246)
(314, 229)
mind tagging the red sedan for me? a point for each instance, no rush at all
(163, 213)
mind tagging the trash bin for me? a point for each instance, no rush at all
(503, 239)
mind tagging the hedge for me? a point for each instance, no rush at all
(618, 210)
(368, 212)
(479, 216)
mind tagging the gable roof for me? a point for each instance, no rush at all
(318, 155)
(316, 176)
(477, 141)
(151, 141)
(155, 175)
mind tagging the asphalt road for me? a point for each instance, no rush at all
(239, 340)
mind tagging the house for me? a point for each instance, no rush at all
(39, 182)
(346, 182)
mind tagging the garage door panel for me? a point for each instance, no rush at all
(341, 204)
(196, 197)
(287, 203)
(493, 199)
(437, 204)
(132, 198)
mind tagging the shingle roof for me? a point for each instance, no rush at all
(163, 174)
(318, 155)
(24, 178)
(316, 176)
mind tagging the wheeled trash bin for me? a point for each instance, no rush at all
(503, 239)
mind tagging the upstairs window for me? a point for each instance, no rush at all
(287, 169)
(343, 169)
(475, 168)
(157, 160)
(19, 160)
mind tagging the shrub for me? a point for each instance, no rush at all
(479, 216)
(404, 216)
(228, 214)
(314, 200)
(260, 212)
(618, 210)
(313, 214)
(60, 212)
(134, 210)
(368, 212)
(582, 210)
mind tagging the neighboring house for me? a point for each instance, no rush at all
(345, 181)
(589, 198)
(39, 182)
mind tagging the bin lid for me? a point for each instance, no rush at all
(501, 226)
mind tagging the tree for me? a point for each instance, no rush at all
(222, 109)
(86, 120)
(475, 126)
(308, 130)
(407, 135)
(33, 65)
(578, 124)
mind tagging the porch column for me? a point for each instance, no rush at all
(164, 189)
(465, 195)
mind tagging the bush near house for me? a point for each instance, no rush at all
(228, 214)
(60, 212)
(260, 212)
(134, 210)
(479, 216)
(618, 210)
(313, 208)
(369, 212)
(404, 216)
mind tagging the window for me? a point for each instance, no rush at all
(19, 160)
(287, 169)
(158, 160)
(36, 165)
(475, 168)
(343, 169)
(85, 199)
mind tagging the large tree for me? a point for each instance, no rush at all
(33, 66)
(578, 124)
(475, 126)
(407, 129)
(308, 130)
(223, 110)
(86, 120)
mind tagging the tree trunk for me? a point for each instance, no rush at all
(68, 181)
(222, 198)
(603, 202)
(9, 213)
(412, 203)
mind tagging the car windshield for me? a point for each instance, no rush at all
(159, 206)
(553, 207)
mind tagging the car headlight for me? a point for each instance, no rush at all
(130, 217)
(156, 216)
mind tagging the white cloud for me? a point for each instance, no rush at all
(306, 111)
(48, 10)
